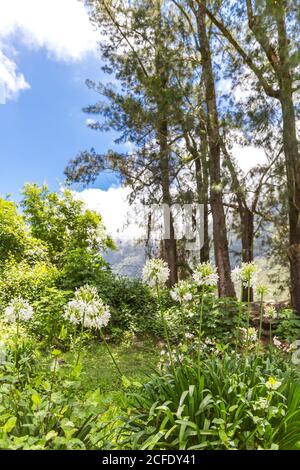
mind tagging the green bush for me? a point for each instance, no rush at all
(25, 280)
(133, 305)
(239, 403)
(221, 318)
(288, 328)
(48, 323)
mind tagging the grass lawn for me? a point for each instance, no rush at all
(135, 362)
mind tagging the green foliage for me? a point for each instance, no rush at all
(63, 223)
(49, 404)
(232, 407)
(289, 326)
(221, 318)
(25, 280)
(81, 267)
(48, 324)
(133, 305)
(13, 232)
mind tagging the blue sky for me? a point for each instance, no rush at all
(43, 126)
(48, 48)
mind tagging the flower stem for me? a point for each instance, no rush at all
(166, 334)
(50, 393)
(260, 320)
(110, 353)
(248, 316)
(238, 326)
(80, 343)
(271, 339)
(200, 332)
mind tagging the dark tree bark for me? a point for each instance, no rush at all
(226, 288)
(170, 245)
(280, 63)
(170, 248)
(292, 157)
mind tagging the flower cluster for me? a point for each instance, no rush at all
(156, 272)
(182, 292)
(272, 383)
(261, 290)
(88, 309)
(247, 274)
(206, 275)
(165, 361)
(249, 335)
(283, 346)
(270, 313)
(18, 310)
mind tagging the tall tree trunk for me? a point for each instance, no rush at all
(170, 247)
(290, 144)
(292, 157)
(226, 288)
(162, 131)
(202, 190)
(247, 226)
(204, 252)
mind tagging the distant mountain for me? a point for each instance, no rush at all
(128, 259)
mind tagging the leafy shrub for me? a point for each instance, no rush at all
(288, 328)
(221, 318)
(48, 323)
(133, 305)
(25, 280)
(237, 404)
(40, 404)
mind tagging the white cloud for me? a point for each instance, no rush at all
(118, 216)
(90, 122)
(248, 157)
(62, 27)
(11, 81)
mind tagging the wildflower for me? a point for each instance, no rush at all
(249, 334)
(262, 290)
(281, 345)
(18, 310)
(262, 403)
(156, 272)
(272, 383)
(270, 313)
(246, 273)
(181, 292)
(189, 336)
(277, 342)
(87, 308)
(206, 275)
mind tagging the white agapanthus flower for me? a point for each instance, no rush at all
(283, 346)
(182, 292)
(249, 334)
(270, 313)
(272, 383)
(18, 309)
(206, 275)
(247, 274)
(87, 308)
(156, 272)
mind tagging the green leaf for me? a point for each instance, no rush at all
(10, 424)
(126, 382)
(36, 399)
